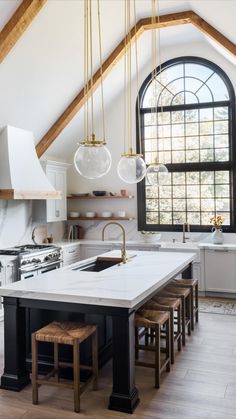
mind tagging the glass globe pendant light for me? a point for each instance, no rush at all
(156, 174)
(131, 167)
(92, 160)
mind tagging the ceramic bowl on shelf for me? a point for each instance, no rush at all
(106, 214)
(120, 213)
(73, 214)
(90, 214)
(99, 193)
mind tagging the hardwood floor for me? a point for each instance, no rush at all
(201, 384)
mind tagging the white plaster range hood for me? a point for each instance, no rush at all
(21, 174)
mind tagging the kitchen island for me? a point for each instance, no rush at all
(117, 292)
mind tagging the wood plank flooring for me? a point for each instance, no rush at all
(201, 384)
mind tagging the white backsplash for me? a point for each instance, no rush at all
(16, 228)
(16, 224)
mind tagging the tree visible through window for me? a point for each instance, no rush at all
(187, 122)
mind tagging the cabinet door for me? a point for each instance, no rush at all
(61, 204)
(51, 203)
(57, 208)
(220, 270)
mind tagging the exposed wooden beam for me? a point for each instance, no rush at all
(210, 31)
(172, 19)
(17, 25)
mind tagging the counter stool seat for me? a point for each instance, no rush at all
(174, 306)
(193, 285)
(67, 333)
(154, 320)
(185, 295)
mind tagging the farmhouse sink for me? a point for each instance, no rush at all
(100, 264)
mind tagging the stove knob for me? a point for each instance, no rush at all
(23, 262)
(34, 260)
(47, 258)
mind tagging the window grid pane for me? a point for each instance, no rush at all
(189, 197)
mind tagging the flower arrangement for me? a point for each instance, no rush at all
(217, 221)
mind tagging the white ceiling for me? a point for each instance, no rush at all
(44, 71)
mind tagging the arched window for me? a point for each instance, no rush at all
(187, 118)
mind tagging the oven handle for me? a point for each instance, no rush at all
(39, 267)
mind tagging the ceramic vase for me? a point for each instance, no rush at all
(217, 236)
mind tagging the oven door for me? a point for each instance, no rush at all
(50, 267)
(28, 274)
(32, 273)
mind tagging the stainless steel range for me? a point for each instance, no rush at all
(35, 259)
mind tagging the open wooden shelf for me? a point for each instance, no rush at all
(100, 197)
(99, 218)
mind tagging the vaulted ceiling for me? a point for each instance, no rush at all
(44, 71)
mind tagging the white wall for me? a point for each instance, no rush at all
(16, 217)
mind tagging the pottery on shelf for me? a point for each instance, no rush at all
(217, 236)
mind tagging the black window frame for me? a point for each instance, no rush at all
(231, 164)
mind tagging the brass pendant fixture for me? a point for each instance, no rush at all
(92, 159)
(131, 167)
(156, 172)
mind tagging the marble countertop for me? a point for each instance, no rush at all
(189, 245)
(119, 286)
(226, 246)
(64, 243)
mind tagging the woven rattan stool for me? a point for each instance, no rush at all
(185, 295)
(67, 333)
(153, 320)
(193, 285)
(174, 307)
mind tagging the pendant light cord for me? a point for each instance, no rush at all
(137, 77)
(86, 70)
(91, 64)
(125, 71)
(101, 71)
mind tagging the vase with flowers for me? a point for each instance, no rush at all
(217, 235)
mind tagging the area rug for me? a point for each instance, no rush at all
(217, 305)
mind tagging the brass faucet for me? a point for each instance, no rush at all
(186, 229)
(123, 249)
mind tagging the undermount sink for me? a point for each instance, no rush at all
(100, 264)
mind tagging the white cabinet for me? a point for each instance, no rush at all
(8, 274)
(70, 253)
(220, 270)
(52, 210)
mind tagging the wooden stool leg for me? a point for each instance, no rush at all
(172, 336)
(168, 344)
(56, 361)
(192, 308)
(95, 360)
(179, 317)
(76, 370)
(183, 322)
(196, 303)
(136, 343)
(188, 312)
(34, 369)
(157, 356)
